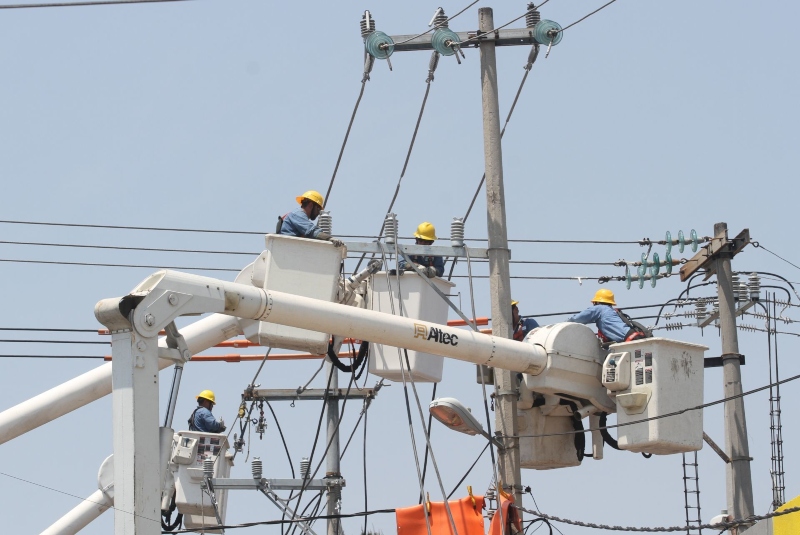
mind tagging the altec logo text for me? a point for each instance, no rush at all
(437, 335)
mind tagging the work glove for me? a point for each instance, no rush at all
(222, 427)
(393, 272)
(430, 271)
(336, 243)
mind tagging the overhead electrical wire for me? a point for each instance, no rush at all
(121, 248)
(669, 414)
(568, 26)
(87, 3)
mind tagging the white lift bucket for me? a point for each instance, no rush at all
(653, 377)
(418, 301)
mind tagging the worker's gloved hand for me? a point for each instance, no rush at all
(222, 427)
(430, 271)
(336, 243)
(393, 272)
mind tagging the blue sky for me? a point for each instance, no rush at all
(647, 117)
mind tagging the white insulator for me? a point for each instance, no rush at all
(700, 310)
(325, 221)
(256, 466)
(305, 467)
(754, 284)
(736, 288)
(208, 467)
(390, 228)
(744, 294)
(457, 232)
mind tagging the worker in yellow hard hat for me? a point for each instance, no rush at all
(432, 266)
(201, 419)
(300, 222)
(522, 326)
(612, 325)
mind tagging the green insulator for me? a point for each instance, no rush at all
(443, 41)
(668, 264)
(653, 280)
(693, 235)
(547, 32)
(656, 267)
(641, 272)
(681, 241)
(379, 45)
(668, 239)
(628, 277)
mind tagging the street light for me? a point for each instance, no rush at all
(457, 417)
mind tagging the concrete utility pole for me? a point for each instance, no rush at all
(737, 473)
(716, 258)
(506, 390)
(332, 460)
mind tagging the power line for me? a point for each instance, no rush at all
(52, 342)
(77, 4)
(775, 254)
(721, 525)
(98, 264)
(565, 28)
(666, 415)
(122, 248)
(63, 357)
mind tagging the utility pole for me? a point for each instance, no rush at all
(506, 388)
(716, 258)
(332, 459)
(487, 38)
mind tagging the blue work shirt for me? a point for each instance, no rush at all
(606, 319)
(524, 326)
(297, 223)
(436, 261)
(202, 420)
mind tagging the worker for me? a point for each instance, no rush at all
(201, 419)
(432, 266)
(612, 325)
(522, 326)
(300, 222)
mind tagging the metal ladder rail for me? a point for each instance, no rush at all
(775, 424)
(692, 497)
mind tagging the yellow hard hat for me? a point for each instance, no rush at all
(514, 303)
(207, 394)
(604, 296)
(426, 231)
(311, 195)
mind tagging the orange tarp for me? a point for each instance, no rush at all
(510, 516)
(468, 518)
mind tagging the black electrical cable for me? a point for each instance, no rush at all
(37, 329)
(670, 414)
(469, 470)
(283, 440)
(565, 28)
(346, 137)
(64, 357)
(121, 248)
(428, 432)
(98, 264)
(364, 461)
(319, 428)
(758, 245)
(607, 438)
(55, 342)
(88, 3)
(357, 362)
